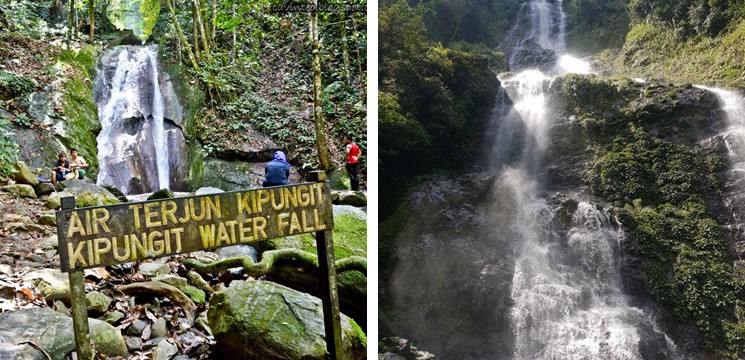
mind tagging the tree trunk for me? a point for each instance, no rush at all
(205, 46)
(345, 48)
(323, 150)
(93, 18)
(181, 36)
(214, 21)
(70, 23)
(195, 31)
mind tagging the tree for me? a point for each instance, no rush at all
(91, 7)
(323, 150)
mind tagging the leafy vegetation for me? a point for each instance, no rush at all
(429, 94)
(685, 41)
(8, 148)
(595, 25)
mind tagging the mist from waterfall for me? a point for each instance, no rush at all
(133, 142)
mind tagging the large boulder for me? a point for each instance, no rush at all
(352, 198)
(350, 239)
(52, 332)
(88, 194)
(23, 175)
(20, 190)
(264, 320)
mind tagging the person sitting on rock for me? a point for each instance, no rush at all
(60, 170)
(277, 171)
(77, 163)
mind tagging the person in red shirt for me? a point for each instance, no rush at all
(353, 162)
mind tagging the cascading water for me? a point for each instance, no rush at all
(496, 268)
(134, 143)
(566, 287)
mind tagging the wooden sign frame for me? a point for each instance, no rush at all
(107, 235)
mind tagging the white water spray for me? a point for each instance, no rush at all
(124, 151)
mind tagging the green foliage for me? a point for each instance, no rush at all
(594, 25)
(706, 48)
(14, 86)
(8, 148)
(433, 100)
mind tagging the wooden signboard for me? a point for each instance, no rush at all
(107, 235)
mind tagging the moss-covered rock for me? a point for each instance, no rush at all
(264, 320)
(20, 190)
(350, 235)
(161, 194)
(22, 174)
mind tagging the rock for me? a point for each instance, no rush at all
(51, 242)
(23, 175)
(35, 228)
(198, 281)
(97, 302)
(165, 350)
(264, 320)
(54, 200)
(159, 328)
(15, 226)
(203, 323)
(196, 295)
(20, 190)
(53, 332)
(87, 194)
(113, 317)
(339, 180)
(116, 192)
(154, 269)
(208, 190)
(43, 188)
(236, 251)
(352, 198)
(172, 280)
(6, 269)
(52, 283)
(48, 219)
(133, 343)
(61, 308)
(161, 194)
(399, 348)
(136, 328)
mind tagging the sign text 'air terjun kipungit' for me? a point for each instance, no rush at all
(107, 235)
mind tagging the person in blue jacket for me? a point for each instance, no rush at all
(277, 171)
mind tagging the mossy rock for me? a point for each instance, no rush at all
(350, 235)
(161, 194)
(264, 320)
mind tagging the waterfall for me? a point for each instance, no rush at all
(134, 143)
(566, 286)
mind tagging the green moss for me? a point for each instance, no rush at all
(89, 199)
(196, 295)
(358, 330)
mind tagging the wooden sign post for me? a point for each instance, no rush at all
(108, 235)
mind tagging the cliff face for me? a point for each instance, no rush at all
(650, 156)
